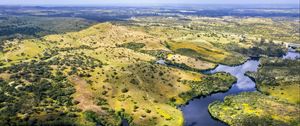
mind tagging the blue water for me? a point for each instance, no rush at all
(196, 111)
(292, 55)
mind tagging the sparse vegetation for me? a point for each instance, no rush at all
(61, 68)
(279, 78)
(254, 108)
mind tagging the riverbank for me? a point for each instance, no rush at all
(280, 78)
(196, 111)
(276, 103)
(254, 108)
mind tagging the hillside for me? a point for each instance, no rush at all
(149, 66)
(99, 75)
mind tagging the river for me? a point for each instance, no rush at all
(196, 110)
(291, 54)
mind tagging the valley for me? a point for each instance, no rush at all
(148, 66)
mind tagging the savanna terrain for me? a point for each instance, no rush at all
(101, 66)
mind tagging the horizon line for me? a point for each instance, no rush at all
(149, 4)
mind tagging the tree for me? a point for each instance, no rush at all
(124, 90)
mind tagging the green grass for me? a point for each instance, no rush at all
(279, 78)
(254, 108)
(277, 103)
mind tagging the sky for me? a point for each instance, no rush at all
(141, 2)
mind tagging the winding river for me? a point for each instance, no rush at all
(196, 110)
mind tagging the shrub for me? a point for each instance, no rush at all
(124, 90)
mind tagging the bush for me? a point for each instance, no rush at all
(92, 117)
(124, 90)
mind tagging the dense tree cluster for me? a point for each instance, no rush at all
(100, 119)
(32, 90)
(259, 48)
(209, 84)
(181, 66)
(132, 45)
